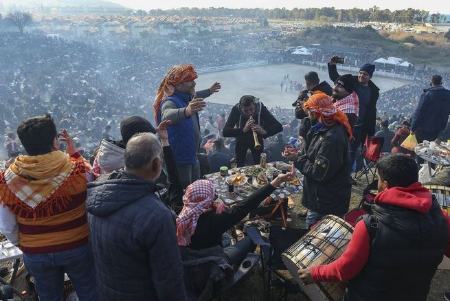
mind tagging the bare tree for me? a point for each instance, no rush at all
(20, 20)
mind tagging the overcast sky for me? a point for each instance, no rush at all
(442, 6)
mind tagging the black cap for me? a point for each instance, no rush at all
(134, 125)
(347, 81)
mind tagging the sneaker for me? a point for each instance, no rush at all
(447, 296)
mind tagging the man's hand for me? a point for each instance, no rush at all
(333, 60)
(196, 105)
(161, 130)
(305, 276)
(257, 128)
(281, 178)
(70, 147)
(248, 125)
(215, 88)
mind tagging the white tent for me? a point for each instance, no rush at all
(381, 61)
(302, 51)
(393, 61)
(405, 64)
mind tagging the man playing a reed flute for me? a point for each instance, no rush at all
(247, 117)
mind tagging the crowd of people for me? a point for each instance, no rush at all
(119, 204)
(72, 79)
(122, 229)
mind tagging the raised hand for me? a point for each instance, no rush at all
(65, 137)
(161, 130)
(196, 105)
(215, 88)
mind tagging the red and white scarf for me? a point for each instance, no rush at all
(349, 104)
(198, 199)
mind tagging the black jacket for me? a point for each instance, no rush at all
(211, 225)
(406, 248)
(368, 126)
(133, 239)
(236, 122)
(431, 115)
(322, 87)
(325, 164)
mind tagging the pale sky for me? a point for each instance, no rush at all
(441, 6)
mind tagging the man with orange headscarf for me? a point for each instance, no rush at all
(177, 101)
(325, 160)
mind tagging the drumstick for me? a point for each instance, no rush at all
(283, 214)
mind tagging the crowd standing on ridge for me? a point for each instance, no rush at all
(123, 222)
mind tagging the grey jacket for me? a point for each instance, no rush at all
(170, 112)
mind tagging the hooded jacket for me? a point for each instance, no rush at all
(432, 112)
(133, 239)
(396, 257)
(110, 157)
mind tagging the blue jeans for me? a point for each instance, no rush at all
(188, 173)
(48, 271)
(313, 217)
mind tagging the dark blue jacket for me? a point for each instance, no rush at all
(133, 241)
(218, 159)
(432, 112)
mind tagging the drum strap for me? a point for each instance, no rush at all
(371, 222)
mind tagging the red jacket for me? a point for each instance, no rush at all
(354, 258)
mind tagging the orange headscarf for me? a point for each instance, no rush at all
(322, 104)
(176, 75)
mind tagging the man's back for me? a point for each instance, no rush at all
(218, 159)
(46, 194)
(133, 241)
(433, 110)
(387, 136)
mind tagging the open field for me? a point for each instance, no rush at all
(264, 82)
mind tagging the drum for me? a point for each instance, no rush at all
(324, 243)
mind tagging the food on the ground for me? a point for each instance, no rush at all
(237, 179)
(438, 154)
(261, 179)
(254, 170)
(295, 181)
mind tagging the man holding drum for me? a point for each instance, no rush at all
(395, 251)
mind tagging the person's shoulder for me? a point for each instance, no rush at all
(336, 134)
(168, 104)
(372, 85)
(151, 210)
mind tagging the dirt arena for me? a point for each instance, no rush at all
(264, 82)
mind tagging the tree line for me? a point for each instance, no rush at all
(374, 14)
